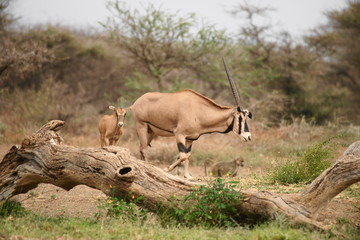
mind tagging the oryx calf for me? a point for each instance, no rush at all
(111, 126)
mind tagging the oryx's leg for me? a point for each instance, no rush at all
(145, 138)
(107, 142)
(104, 141)
(114, 140)
(184, 158)
(186, 169)
(107, 139)
(184, 147)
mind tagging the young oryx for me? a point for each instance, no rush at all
(186, 115)
(110, 126)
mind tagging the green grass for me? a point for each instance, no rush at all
(16, 221)
(353, 192)
(31, 225)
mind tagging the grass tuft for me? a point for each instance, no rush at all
(307, 167)
(10, 209)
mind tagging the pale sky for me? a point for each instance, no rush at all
(294, 16)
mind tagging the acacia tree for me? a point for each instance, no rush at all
(273, 68)
(338, 43)
(162, 41)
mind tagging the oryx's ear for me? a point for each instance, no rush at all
(250, 115)
(112, 108)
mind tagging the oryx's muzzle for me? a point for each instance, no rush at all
(246, 136)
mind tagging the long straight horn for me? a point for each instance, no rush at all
(232, 84)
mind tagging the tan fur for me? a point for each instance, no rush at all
(226, 169)
(184, 114)
(111, 126)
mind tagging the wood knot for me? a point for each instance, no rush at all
(126, 172)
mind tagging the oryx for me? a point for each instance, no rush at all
(111, 126)
(186, 115)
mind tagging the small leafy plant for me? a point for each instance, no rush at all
(124, 207)
(11, 208)
(213, 205)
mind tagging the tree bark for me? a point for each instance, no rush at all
(43, 158)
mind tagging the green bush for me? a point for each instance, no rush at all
(11, 208)
(307, 167)
(123, 207)
(213, 205)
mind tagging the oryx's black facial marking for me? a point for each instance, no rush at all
(240, 123)
(230, 127)
(183, 149)
(246, 128)
(249, 114)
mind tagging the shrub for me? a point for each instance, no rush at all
(123, 207)
(306, 168)
(11, 208)
(35, 107)
(208, 206)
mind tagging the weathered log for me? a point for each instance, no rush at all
(42, 158)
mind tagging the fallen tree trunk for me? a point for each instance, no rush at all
(42, 158)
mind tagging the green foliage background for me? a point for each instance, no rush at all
(151, 49)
